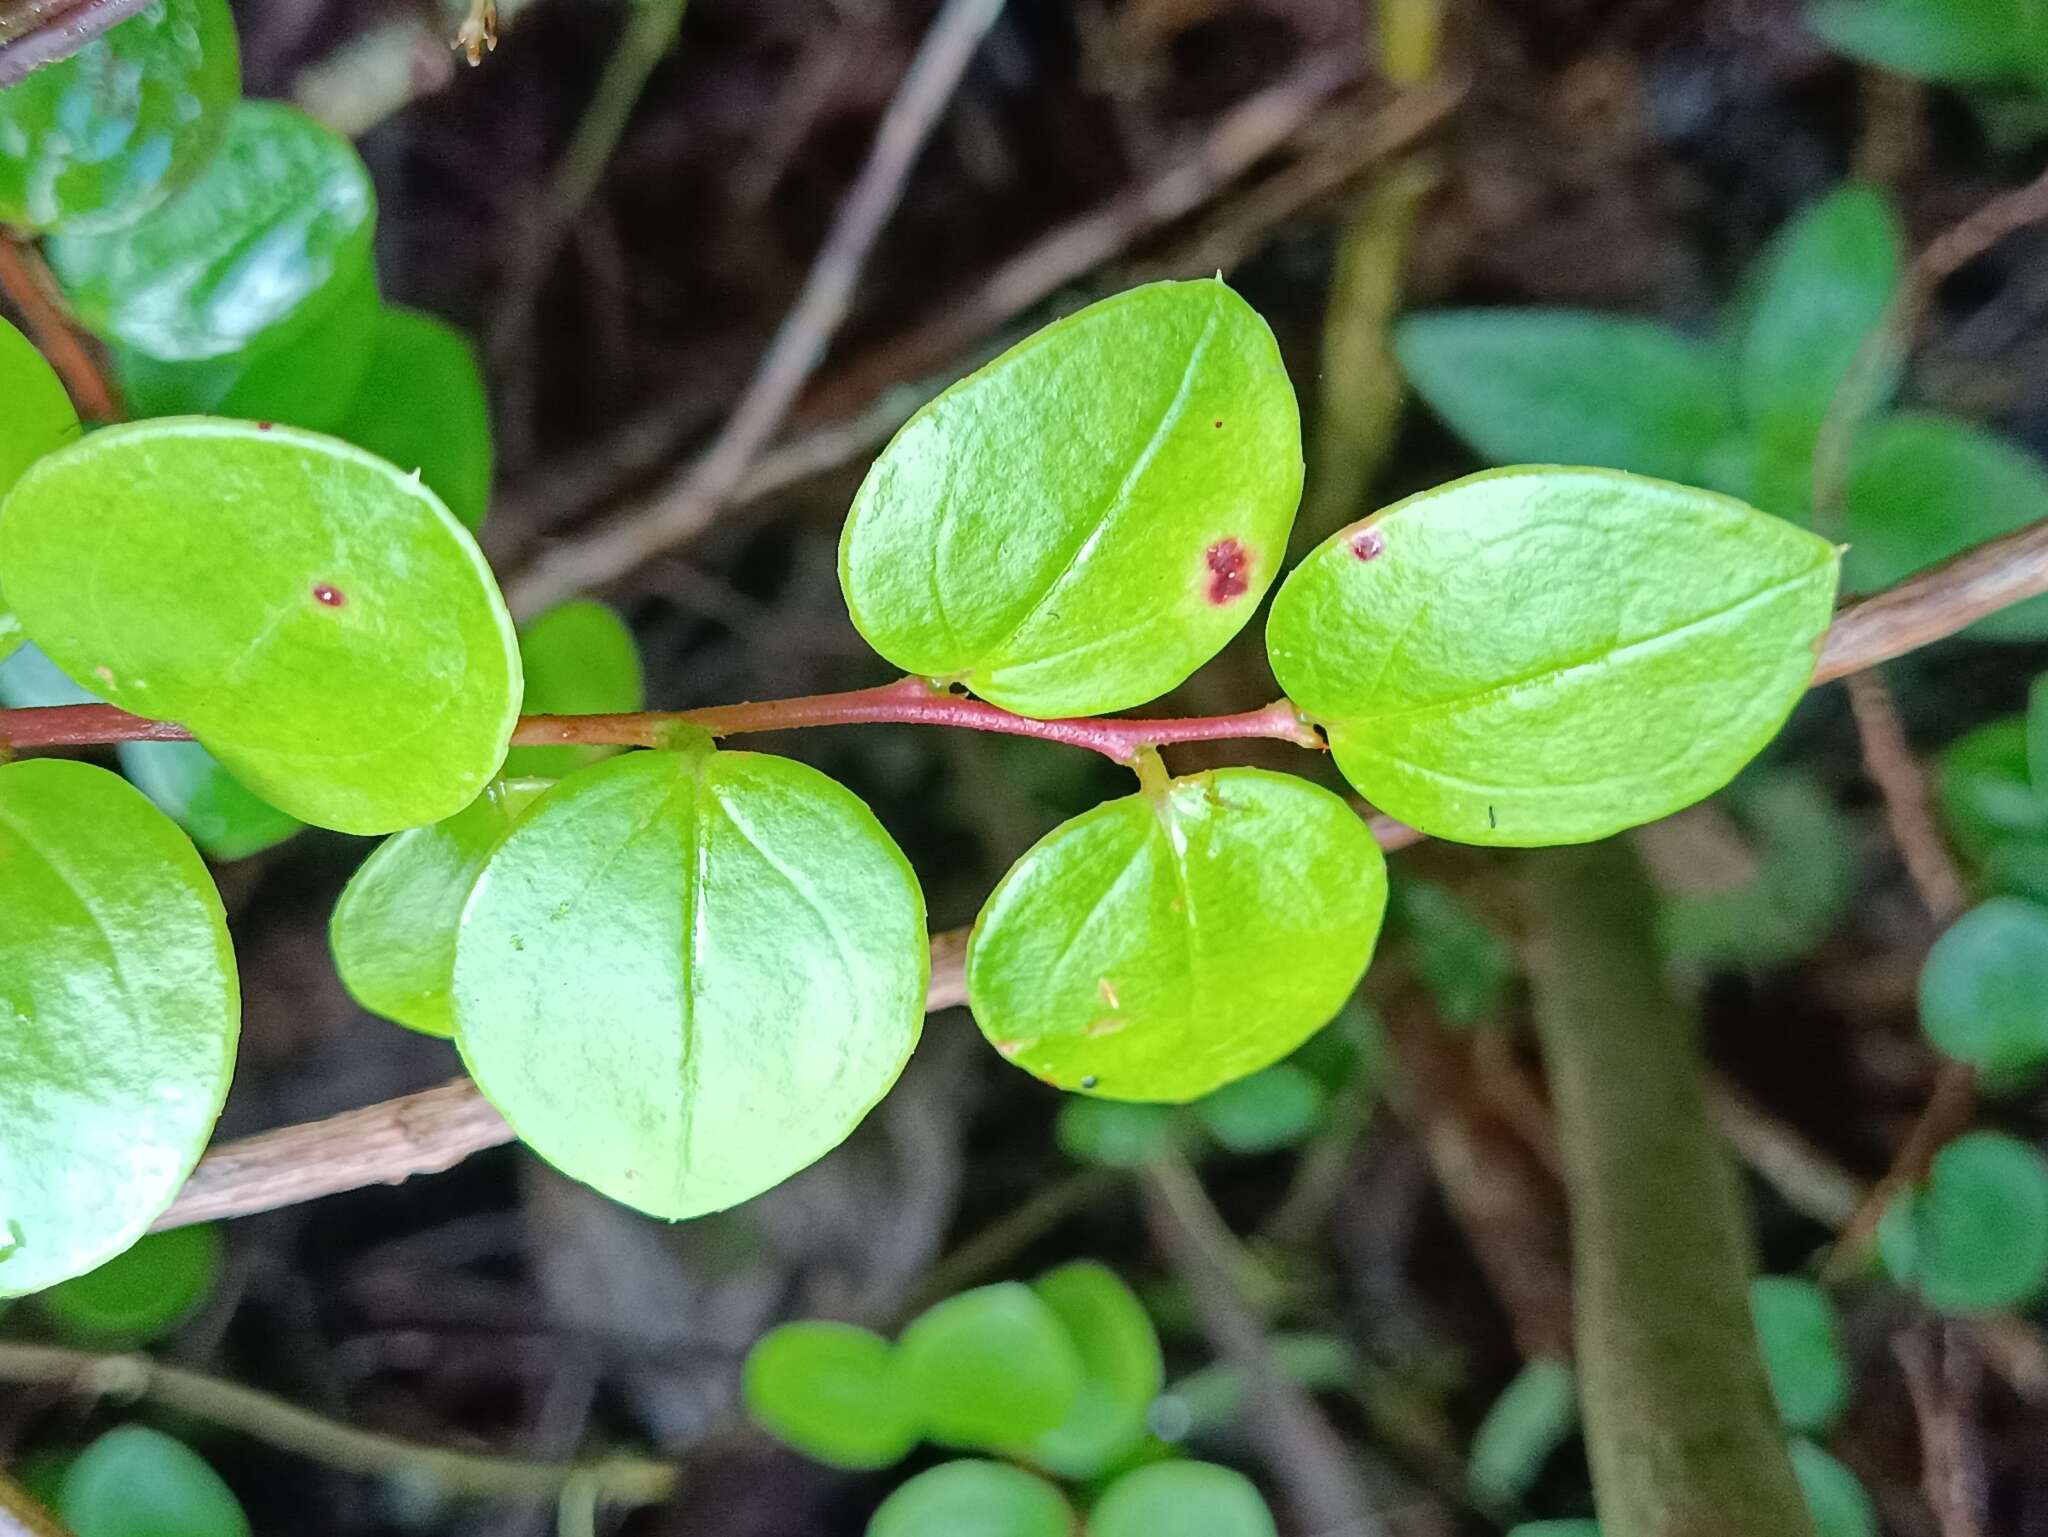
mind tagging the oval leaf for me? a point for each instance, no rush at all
(422, 406)
(1080, 525)
(1274, 1108)
(39, 420)
(119, 1011)
(687, 975)
(993, 1367)
(579, 659)
(138, 1295)
(832, 1391)
(974, 1499)
(138, 1482)
(1835, 1497)
(1802, 1350)
(1536, 1413)
(315, 616)
(1162, 945)
(1540, 655)
(1122, 1371)
(1974, 1237)
(394, 930)
(1182, 1497)
(1984, 991)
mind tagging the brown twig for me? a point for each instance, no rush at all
(1908, 802)
(27, 282)
(1942, 1372)
(38, 32)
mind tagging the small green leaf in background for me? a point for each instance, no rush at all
(119, 982)
(97, 140)
(1464, 964)
(222, 815)
(1974, 1237)
(422, 406)
(1987, 791)
(1113, 1134)
(1190, 1497)
(1276, 1107)
(39, 420)
(1924, 487)
(1984, 991)
(1968, 41)
(974, 1499)
(1165, 944)
(394, 929)
(832, 1391)
(315, 617)
(1836, 1498)
(138, 1482)
(1568, 387)
(1122, 1371)
(139, 1295)
(579, 659)
(1212, 1399)
(1802, 1350)
(1535, 1414)
(759, 945)
(1532, 655)
(1081, 524)
(994, 1367)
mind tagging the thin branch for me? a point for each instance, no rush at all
(27, 282)
(22, 1515)
(1908, 802)
(617, 547)
(620, 1481)
(38, 32)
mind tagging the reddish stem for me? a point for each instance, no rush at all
(911, 700)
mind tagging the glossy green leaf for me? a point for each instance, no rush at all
(1535, 1414)
(1121, 1370)
(833, 1392)
(1802, 1350)
(316, 617)
(1081, 524)
(138, 1295)
(1182, 1497)
(97, 140)
(1162, 945)
(38, 420)
(422, 406)
(1535, 655)
(974, 1499)
(579, 659)
(1276, 1107)
(1969, 41)
(1984, 990)
(1463, 963)
(1822, 288)
(1805, 879)
(280, 217)
(1565, 386)
(1835, 1497)
(993, 1367)
(394, 930)
(1924, 487)
(138, 1482)
(1974, 1237)
(119, 1011)
(758, 944)
(1111, 1134)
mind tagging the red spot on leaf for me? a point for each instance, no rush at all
(265, 426)
(1368, 544)
(1230, 571)
(332, 596)
(1217, 423)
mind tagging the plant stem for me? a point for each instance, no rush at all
(1680, 1427)
(621, 1481)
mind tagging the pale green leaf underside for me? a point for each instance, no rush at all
(119, 1013)
(314, 616)
(1158, 948)
(1084, 522)
(685, 976)
(1544, 655)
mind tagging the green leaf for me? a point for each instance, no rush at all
(316, 617)
(994, 1367)
(1111, 1134)
(30, 681)
(138, 1482)
(1823, 286)
(1162, 945)
(1463, 963)
(1924, 487)
(1974, 1237)
(1802, 1350)
(1535, 656)
(1122, 1371)
(1835, 1497)
(1969, 41)
(39, 420)
(117, 986)
(1984, 991)
(1081, 524)
(218, 812)
(1534, 1415)
(394, 930)
(833, 1392)
(974, 1499)
(280, 219)
(579, 659)
(1987, 791)
(759, 947)
(2037, 730)
(97, 140)
(1182, 1497)
(140, 1295)
(422, 406)
(1566, 386)
(1276, 1107)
